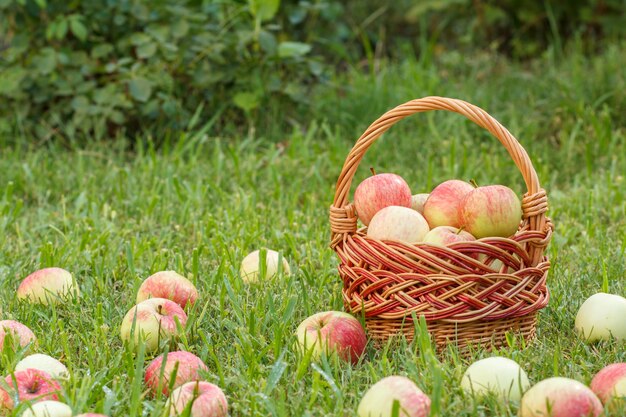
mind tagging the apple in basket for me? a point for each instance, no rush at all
(610, 384)
(560, 397)
(445, 235)
(442, 206)
(399, 224)
(394, 396)
(380, 191)
(489, 211)
(417, 202)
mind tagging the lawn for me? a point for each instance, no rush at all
(113, 214)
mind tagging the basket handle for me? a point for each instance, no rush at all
(534, 204)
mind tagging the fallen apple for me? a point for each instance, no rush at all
(394, 393)
(379, 191)
(32, 385)
(186, 365)
(443, 203)
(609, 384)
(332, 332)
(250, 270)
(48, 408)
(491, 211)
(399, 224)
(44, 363)
(48, 285)
(20, 334)
(560, 397)
(601, 317)
(170, 285)
(207, 400)
(500, 376)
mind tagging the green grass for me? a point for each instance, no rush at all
(113, 216)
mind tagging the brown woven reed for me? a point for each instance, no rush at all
(469, 293)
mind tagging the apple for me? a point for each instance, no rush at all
(251, 266)
(170, 285)
(152, 319)
(20, 333)
(391, 392)
(187, 365)
(44, 363)
(332, 332)
(207, 399)
(48, 285)
(399, 224)
(32, 385)
(602, 317)
(417, 202)
(610, 383)
(48, 408)
(91, 415)
(445, 235)
(501, 376)
(442, 206)
(560, 397)
(380, 191)
(491, 211)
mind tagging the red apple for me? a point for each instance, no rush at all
(445, 235)
(332, 332)
(152, 319)
(170, 285)
(32, 385)
(380, 191)
(48, 285)
(560, 397)
(379, 400)
(397, 223)
(207, 399)
(610, 383)
(188, 367)
(442, 206)
(491, 211)
(22, 335)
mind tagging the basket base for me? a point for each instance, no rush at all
(488, 335)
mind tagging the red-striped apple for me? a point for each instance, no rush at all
(380, 191)
(397, 223)
(20, 334)
(491, 211)
(48, 285)
(417, 202)
(442, 206)
(207, 399)
(610, 384)
(392, 392)
(445, 235)
(32, 385)
(170, 285)
(560, 397)
(187, 366)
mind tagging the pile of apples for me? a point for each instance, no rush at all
(454, 211)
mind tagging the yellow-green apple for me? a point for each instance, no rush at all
(207, 400)
(498, 375)
(610, 384)
(445, 235)
(491, 211)
(250, 269)
(443, 203)
(186, 365)
(48, 285)
(417, 202)
(32, 385)
(20, 334)
(397, 223)
(380, 191)
(44, 363)
(48, 408)
(394, 392)
(152, 320)
(560, 397)
(170, 285)
(601, 317)
(332, 332)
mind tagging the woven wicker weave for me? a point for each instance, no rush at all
(464, 300)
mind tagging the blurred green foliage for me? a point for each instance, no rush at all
(97, 68)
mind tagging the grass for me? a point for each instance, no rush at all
(113, 216)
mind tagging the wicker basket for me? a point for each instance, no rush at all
(464, 300)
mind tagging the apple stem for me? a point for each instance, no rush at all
(473, 182)
(458, 232)
(373, 170)
(160, 309)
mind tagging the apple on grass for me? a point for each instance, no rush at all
(202, 399)
(498, 375)
(560, 397)
(379, 191)
(394, 396)
(91, 415)
(397, 223)
(170, 285)
(491, 211)
(48, 285)
(186, 365)
(28, 385)
(48, 408)
(610, 384)
(332, 332)
(152, 320)
(44, 363)
(417, 202)
(602, 317)
(250, 269)
(19, 333)
(445, 235)
(442, 206)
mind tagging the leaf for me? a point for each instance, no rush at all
(146, 50)
(61, 29)
(101, 50)
(293, 49)
(140, 89)
(41, 3)
(264, 9)
(78, 29)
(139, 38)
(10, 80)
(180, 28)
(246, 101)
